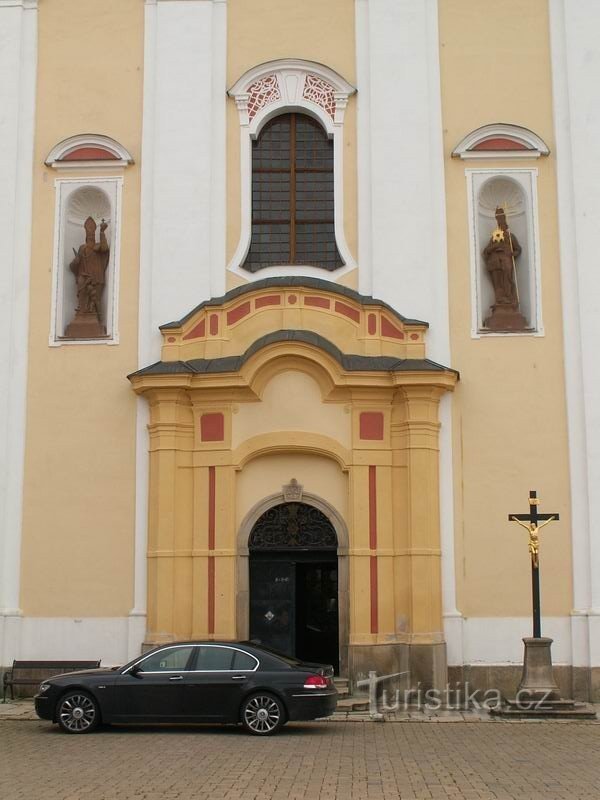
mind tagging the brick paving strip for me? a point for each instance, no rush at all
(502, 760)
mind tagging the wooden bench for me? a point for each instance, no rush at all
(32, 673)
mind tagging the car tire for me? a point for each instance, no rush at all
(263, 714)
(77, 712)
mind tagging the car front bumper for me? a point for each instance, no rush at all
(44, 707)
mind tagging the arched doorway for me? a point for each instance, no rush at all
(294, 605)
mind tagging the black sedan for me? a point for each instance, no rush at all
(192, 682)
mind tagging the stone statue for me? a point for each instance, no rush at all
(89, 267)
(500, 257)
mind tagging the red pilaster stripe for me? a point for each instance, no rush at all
(211, 508)
(211, 594)
(374, 597)
(211, 546)
(373, 546)
(373, 507)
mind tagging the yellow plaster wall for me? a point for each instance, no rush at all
(509, 407)
(265, 475)
(79, 490)
(292, 401)
(265, 30)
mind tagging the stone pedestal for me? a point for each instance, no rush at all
(505, 318)
(85, 326)
(538, 694)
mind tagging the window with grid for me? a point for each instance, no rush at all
(292, 196)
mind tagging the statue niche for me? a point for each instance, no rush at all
(500, 258)
(89, 268)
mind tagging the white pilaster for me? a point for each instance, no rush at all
(576, 77)
(402, 227)
(182, 260)
(18, 58)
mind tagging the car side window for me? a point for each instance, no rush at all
(242, 661)
(172, 659)
(214, 659)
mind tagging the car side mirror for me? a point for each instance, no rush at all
(135, 670)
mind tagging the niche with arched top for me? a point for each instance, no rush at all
(513, 193)
(85, 290)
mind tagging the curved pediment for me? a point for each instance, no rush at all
(229, 326)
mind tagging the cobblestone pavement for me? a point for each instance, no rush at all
(307, 761)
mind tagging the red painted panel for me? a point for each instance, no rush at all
(347, 311)
(372, 507)
(387, 329)
(319, 302)
(211, 507)
(499, 144)
(214, 325)
(212, 427)
(197, 331)
(90, 154)
(371, 425)
(211, 594)
(372, 324)
(374, 596)
(267, 300)
(238, 313)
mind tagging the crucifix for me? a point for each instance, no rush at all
(531, 524)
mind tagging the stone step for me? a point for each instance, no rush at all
(341, 684)
(350, 703)
(551, 709)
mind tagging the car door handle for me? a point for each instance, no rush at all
(238, 677)
(176, 678)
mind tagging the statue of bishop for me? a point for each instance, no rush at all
(89, 267)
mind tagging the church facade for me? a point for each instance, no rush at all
(299, 302)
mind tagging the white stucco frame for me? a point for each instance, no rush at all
(291, 77)
(527, 181)
(113, 189)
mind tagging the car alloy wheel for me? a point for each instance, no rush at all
(77, 712)
(262, 714)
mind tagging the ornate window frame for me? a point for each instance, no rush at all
(112, 188)
(277, 87)
(526, 178)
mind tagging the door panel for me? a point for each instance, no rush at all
(213, 690)
(317, 626)
(155, 692)
(272, 604)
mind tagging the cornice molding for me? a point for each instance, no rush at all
(527, 143)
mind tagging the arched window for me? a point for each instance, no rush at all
(292, 196)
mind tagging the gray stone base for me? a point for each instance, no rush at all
(579, 683)
(422, 665)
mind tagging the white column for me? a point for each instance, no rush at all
(576, 76)
(402, 226)
(18, 58)
(182, 259)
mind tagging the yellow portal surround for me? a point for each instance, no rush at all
(365, 358)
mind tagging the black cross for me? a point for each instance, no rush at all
(531, 523)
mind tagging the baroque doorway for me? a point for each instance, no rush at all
(294, 606)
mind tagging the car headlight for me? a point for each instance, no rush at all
(44, 687)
